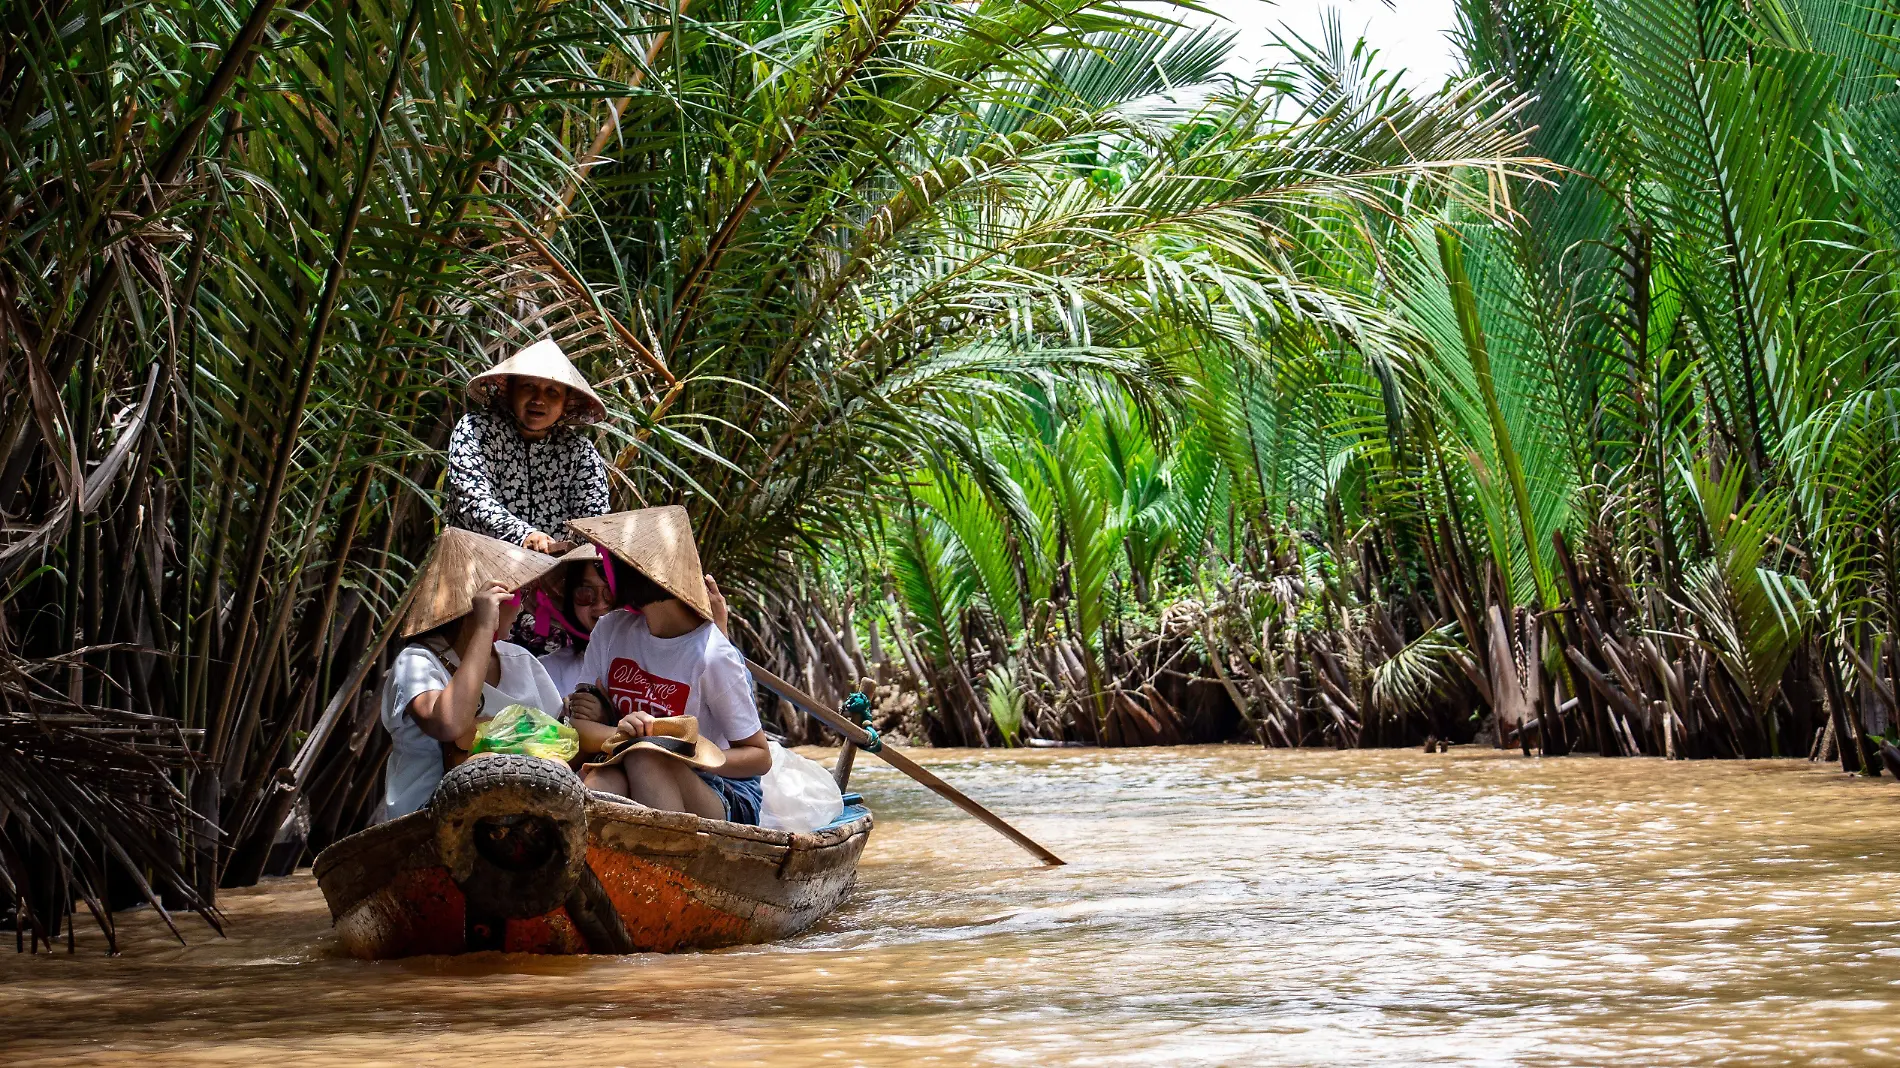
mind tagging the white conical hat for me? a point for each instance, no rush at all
(544, 360)
(658, 542)
(460, 563)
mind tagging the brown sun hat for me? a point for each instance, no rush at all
(658, 543)
(544, 360)
(581, 554)
(460, 563)
(675, 736)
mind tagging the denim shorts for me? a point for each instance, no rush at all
(742, 797)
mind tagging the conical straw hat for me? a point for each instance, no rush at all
(580, 554)
(658, 542)
(544, 360)
(460, 563)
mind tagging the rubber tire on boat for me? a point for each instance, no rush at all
(501, 785)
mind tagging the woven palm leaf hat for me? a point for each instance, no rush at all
(460, 563)
(544, 360)
(555, 581)
(581, 554)
(658, 543)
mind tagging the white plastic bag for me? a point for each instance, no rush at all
(800, 795)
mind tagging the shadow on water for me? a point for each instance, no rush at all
(1222, 906)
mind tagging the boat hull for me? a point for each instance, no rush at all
(672, 881)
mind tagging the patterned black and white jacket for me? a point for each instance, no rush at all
(505, 486)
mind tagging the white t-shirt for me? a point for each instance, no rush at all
(415, 759)
(565, 666)
(697, 674)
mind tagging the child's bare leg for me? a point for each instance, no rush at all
(606, 780)
(695, 796)
(650, 780)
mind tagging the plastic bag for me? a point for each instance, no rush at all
(800, 795)
(529, 731)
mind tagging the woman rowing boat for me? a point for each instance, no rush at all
(519, 469)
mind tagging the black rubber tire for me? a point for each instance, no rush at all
(496, 787)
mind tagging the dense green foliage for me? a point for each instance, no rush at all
(1001, 350)
(1643, 408)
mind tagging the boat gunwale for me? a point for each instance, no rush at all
(403, 836)
(829, 835)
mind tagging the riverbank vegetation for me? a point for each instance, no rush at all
(1008, 353)
(1608, 463)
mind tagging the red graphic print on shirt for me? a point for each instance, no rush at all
(631, 688)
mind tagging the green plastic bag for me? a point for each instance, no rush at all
(530, 732)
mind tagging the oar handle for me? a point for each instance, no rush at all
(855, 734)
(848, 754)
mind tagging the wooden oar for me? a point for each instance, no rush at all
(862, 739)
(848, 754)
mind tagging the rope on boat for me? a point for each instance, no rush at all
(858, 706)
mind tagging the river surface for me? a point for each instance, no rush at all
(1222, 906)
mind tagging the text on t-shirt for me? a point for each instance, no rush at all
(631, 688)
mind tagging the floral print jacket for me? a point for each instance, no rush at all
(507, 487)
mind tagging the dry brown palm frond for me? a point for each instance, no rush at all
(84, 792)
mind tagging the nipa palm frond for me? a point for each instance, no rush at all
(86, 801)
(1409, 678)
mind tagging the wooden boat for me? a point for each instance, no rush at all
(512, 853)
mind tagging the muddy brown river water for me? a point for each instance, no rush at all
(1222, 906)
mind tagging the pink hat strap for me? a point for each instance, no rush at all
(607, 570)
(548, 615)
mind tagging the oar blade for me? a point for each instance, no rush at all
(856, 735)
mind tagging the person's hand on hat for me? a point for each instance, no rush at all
(487, 604)
(634, 724)
(717, 602)
(543, 543)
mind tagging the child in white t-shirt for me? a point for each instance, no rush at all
(453, 672)
(664, 661)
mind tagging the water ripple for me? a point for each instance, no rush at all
(1223, 906)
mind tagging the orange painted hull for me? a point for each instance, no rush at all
(674, 880)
